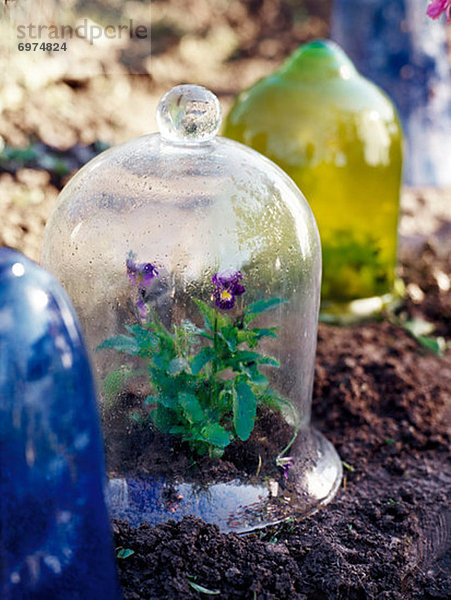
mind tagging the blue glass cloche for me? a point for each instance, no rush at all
(55, 541)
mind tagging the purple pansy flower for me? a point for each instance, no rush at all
(437, 7)
(140, 274)
(227, 286)
(285, 463)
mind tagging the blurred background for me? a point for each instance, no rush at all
(59, 109)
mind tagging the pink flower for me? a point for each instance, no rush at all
(437, 7)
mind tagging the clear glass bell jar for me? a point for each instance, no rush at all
(194, 264)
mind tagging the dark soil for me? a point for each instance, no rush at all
(384, 402)
(147, 451)
(426, 272)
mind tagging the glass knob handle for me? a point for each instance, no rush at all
(189, 114)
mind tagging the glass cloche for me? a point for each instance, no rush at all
(195, 265)
(339, 137)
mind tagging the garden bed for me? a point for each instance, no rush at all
(380, 398)
(383, 400)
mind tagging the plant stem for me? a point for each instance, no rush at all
(290, 443)
(214, 364)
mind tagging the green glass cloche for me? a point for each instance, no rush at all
(338, 136)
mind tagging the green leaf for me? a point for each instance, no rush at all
(122, 343)
(166, 340)
(261, 306)
(420, 329)
(244, 409)
(207, 312)
(244, 335)
(125, 553)
(206, 335)
(163, 418)
(161, 361)
(180, 430)
(224, 402)
(268, 360)
(245, 356)
(165, 384)
(147, 340)
(166, 400)
(203, 590)
(255, 376)
(229, 334)
(203, 357)
(191, 407)
(215, 434)
(265, 332)
(437, 345)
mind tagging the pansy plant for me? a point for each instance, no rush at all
(206, 382)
